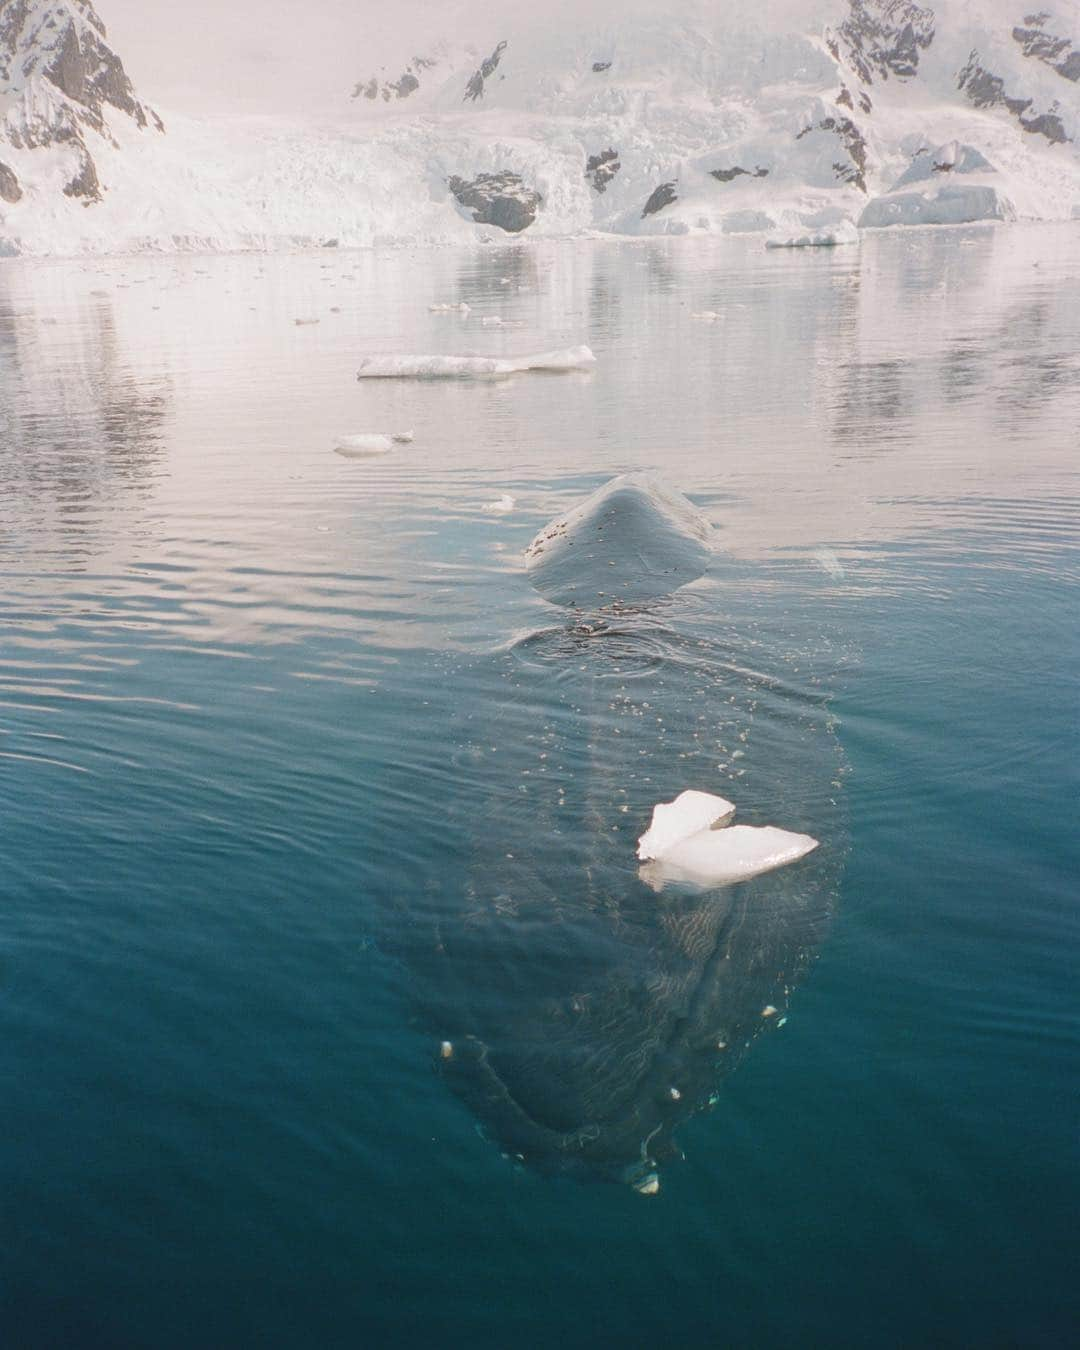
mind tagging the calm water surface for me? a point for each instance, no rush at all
(270, 718)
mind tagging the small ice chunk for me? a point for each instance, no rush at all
(722, 857)
(463, 308)
(446, 1050)
(675, 821)
(367, 444)
(500, 505)
(303, 323)
(492, 321)
(824, 237)
(466, 367)
(648, 1185)
(707, 315)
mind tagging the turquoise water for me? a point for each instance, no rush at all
(270, 719)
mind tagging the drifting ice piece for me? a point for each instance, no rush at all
(368, 444)
(451, 367)
(827, 237)
(500, 506)
(672, 822)
(721, 857)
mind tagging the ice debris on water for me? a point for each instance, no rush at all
(463, 308)
(706, 315)
(368, 444)
(446, 1050)
(690, 839)
(304, 323)
(648, 1185)
(675, 821)
(466, 367)
(500, 506)
(826, 237)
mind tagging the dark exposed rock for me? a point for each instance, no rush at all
(1056, 52)
(10, 191)
(854, 171)
(660, 197)
(499, 199)
(601, 168)
(85, 184)
(986, 90)
(726, 175)
(408, 82)
(883, 38)
(475, 88)
(843, 99)
(598, 67)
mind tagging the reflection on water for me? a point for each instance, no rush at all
(299, 777)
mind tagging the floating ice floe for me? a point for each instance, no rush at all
(706, 315)
(463, 308)
(371, 443)
(690, 839)
(466, 367)
(826, 237)
(304, 323)
(675, 821)
(500, 505)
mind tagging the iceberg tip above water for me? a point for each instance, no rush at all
(468, 367)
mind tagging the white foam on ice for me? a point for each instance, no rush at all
(677, 820)
(468, 367)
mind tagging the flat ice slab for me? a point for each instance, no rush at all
(468, 367)
(672, 822)
(722, 857)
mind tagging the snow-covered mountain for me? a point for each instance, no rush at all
(585, 116)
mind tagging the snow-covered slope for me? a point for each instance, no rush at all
(636, 119)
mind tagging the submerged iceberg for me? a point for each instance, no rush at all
(466, 367)
(634, 539)
(689, 839)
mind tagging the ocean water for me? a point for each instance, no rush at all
(299, 776)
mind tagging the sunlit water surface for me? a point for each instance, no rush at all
(264, 710)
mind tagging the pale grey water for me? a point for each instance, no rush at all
(245, 694)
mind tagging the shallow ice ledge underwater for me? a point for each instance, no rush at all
(690, 839)
(466, 367)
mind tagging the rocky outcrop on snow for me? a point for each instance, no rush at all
(882, 38)
(986, 90)
(59, 83)
(660, 197)
(408, 82)
(601, 168)
(951, 158)
(474, 90)
(853, 169)
(499, 199)
(1059, 53)
(729, 175)
(10, 191)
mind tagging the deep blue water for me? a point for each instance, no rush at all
(263, 710)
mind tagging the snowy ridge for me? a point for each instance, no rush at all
(773, 116)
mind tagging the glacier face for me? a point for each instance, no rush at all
(767, 116)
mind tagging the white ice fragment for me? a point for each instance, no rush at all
(648, 1185)
(768, 1011)
(446, 1050)
(403, 437)
(500, 505)
(463, 308)
(706, 315)
(722, 857)
(492, 321)
(368, 444)
(825, 237)
(303, 323)
(465, 367)
(675, 821)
